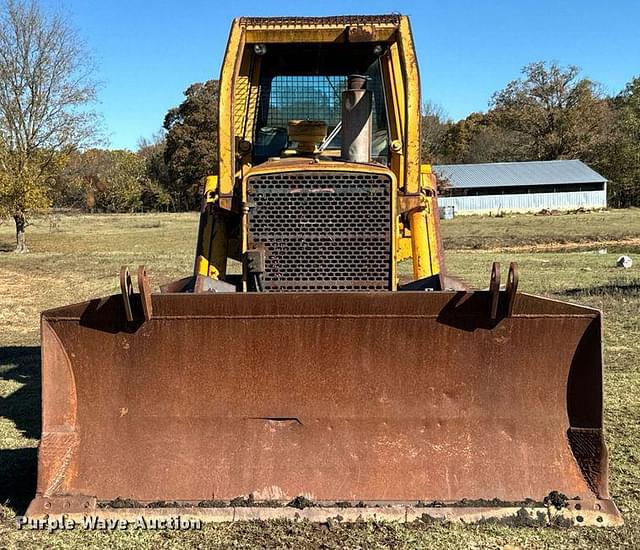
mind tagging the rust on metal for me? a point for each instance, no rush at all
(494, 289)
(192, 418)
(59, 505)
(354, 28)
(512, 287)
(598, 513)
(181, 285)
(126, 288)
(361, 33)
(330, 21)
(145, 293)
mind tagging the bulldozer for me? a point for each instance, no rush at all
(318, 362)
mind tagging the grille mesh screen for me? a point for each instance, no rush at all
(322, 231)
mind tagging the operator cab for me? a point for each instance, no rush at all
(300, 89)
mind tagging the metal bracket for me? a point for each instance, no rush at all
(254, 261)
(512, 287)
(145, 293)
(598, 512)
(254, 266)
(494, 289)
(330, 137)
(126, 287)
(510, 292)
(43, 505)
(406, 203)
(207, 284)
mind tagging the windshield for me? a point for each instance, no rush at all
(312, 91)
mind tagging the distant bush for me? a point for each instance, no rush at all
(100, 180)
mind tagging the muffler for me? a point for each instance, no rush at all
(357, 133)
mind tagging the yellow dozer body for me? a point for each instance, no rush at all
(321, 381)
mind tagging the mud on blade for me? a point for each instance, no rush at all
(379, 397)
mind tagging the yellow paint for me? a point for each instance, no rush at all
(420, 244)
(404, 248)
(218, 251)
(429, 186)
(311, 34)
(210, 188)
(211, 258)
(394, 230)
(239, 86)
(323, 165)
(393, 81)
(425, 229)
(412, 107)
(246, 98)
(431, 215)
(202, 266)
(226, 138)
(204, 241)
(424, 224)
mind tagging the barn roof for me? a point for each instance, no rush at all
(505, 174)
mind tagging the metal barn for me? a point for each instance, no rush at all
(521, 186)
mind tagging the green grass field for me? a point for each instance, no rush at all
(73, 258)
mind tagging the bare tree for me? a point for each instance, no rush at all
(435, 124)
(46, 90)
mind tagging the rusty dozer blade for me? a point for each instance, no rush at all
(451, 404)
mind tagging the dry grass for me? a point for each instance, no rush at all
(79, 257)
(528, 232)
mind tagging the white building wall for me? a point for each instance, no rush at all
(526, 202)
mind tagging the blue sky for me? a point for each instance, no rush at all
(148, 52)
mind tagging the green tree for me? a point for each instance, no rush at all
(46, 87)
(621, 159)
(120, 186)
(155, 193)
(68, 189)
(456, 140)
(552, 113)
(191, 150)
(111, 181)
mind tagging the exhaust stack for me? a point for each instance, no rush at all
(356, 120)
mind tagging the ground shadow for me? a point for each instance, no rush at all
(625, 288)
(18, 467)
(18, 476)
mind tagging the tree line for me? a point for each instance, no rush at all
(549, 113)
(52, 154)
(164, 173)
(52, 150)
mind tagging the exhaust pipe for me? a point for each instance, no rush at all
(356, 120)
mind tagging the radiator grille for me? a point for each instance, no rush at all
(322, 231)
